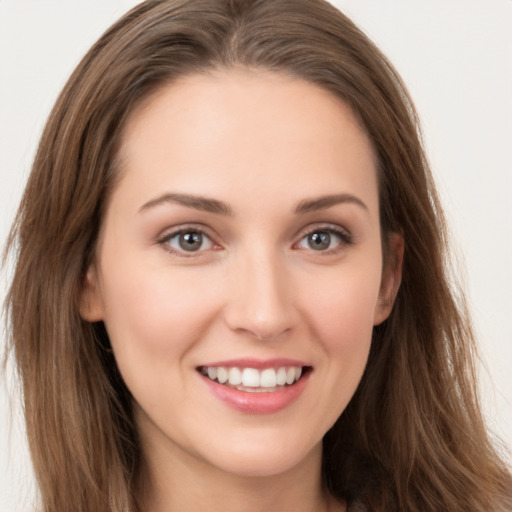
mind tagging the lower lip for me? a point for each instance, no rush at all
(258, 402)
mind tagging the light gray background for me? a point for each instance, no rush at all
(456, 58)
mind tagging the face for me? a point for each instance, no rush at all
(239, 270)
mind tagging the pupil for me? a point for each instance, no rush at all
(320, 240)
(191, 241)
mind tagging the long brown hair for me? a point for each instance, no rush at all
(412, 438)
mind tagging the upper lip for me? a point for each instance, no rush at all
(259, 364)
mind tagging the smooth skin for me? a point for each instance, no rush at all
(245, 224)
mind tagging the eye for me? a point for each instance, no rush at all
(323, 240)
(188, 240)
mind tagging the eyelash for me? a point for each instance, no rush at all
(346, 240)
(164, 240)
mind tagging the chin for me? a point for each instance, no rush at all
(266, 458)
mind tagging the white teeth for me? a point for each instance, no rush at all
(235, 376)
(268, 378)
(281, 377)
(251, 379)
(222, 375)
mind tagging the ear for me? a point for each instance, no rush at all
(91, 303)
(391, 277)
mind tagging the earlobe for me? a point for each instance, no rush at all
(391, 278)
(91, 303)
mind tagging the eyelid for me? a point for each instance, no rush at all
(170, 233)
(344, 234)
(324, 226)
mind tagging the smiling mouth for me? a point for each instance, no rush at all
(253, 380)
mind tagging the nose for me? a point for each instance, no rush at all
(260, 302)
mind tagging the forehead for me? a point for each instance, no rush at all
(221, 131)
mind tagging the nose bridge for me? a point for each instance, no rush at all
(259, 301)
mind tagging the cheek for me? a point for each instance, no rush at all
(343, 307)
(155, 316)
(341, 312)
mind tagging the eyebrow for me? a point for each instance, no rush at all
(191, 201)
(324, 202)
(215, 206)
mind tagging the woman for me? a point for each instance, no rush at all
(231, 286)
